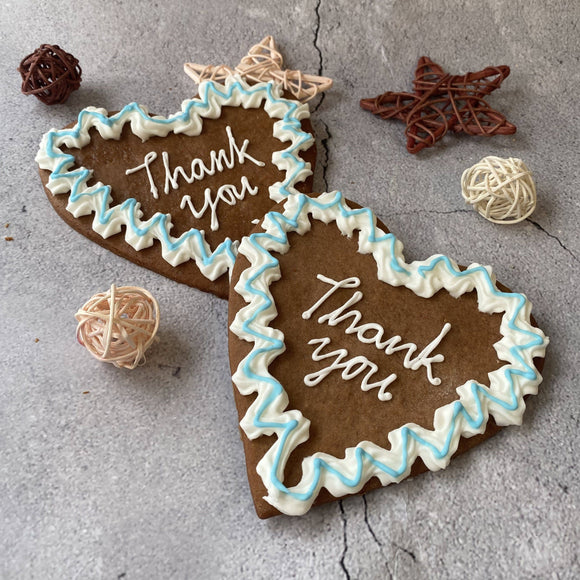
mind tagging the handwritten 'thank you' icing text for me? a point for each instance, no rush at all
(219, 161)
(369, 333)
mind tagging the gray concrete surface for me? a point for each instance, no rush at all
(144, 476)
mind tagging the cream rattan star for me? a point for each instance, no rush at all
(263, 63)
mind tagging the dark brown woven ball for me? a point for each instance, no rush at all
(50, 74)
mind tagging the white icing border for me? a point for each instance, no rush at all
(267, 415)
(139, 234)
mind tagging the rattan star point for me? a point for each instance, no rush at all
(263, 63)
(442, 102)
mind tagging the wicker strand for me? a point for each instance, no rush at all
(442, 102)
(263, 63)
(119, 325)
(501, 190)
(50, 74)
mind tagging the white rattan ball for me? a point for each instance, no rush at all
(501, 190)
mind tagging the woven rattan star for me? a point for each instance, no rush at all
(442, 102)
(263, 63)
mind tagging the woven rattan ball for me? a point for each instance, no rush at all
(50, 74)
(501, 190)
(119, 325)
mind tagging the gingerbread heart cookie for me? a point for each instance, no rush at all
(185, 188)
(354, 369)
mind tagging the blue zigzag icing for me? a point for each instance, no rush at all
(466, 416)
(192, 243)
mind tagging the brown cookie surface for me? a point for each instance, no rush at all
(341, 413)
(246, 156)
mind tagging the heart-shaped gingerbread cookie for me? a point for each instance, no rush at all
(355, 369)
(185, 188)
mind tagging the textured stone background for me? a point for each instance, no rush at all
(144, 476)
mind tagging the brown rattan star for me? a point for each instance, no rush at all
(442, 102)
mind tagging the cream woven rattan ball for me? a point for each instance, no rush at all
(501, 190)
(119, 325)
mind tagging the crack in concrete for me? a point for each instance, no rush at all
(344, 540)
(324, 164)
(453, 211)
(401, 550)
(408, 552)
(324, 140)
(366, 516)
(428, 211)
(375, 538)
(317, 48)
(538, 226)
(398, 548)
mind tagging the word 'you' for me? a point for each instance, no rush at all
(219, 161)
(368, 333)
